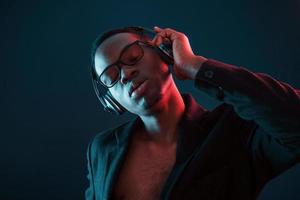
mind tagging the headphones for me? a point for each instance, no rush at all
(108, 102)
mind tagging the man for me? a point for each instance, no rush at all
(175, 148)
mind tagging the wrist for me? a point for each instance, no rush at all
(197, 64)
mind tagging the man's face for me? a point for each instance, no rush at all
(150, 75)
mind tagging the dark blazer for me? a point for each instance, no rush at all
(230, 152)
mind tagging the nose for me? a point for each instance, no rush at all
(128, 74)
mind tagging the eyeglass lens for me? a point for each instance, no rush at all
(130, 56)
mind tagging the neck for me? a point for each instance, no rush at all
(161, 127)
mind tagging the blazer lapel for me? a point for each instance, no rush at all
(116, 154)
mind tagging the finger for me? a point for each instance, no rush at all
(157, 29)
(159, 40)
(168, 33)
(171, 30)
(156, 40)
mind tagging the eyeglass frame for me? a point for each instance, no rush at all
(119, 61)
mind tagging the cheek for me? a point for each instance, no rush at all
(117, 95)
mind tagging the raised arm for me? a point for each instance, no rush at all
(272, 104)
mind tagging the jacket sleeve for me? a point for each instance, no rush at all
(272, 104)
(90, 191)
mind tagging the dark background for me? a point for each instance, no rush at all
(49, 111)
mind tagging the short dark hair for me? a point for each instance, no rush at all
(103, 36)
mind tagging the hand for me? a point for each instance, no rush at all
(186, 63)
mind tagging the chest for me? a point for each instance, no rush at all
(144, 171)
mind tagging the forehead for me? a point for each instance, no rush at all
(109, 51)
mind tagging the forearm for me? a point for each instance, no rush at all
(272, 104)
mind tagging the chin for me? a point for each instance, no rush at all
(153, 104)
(156, 98)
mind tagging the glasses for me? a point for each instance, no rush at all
(130, 55)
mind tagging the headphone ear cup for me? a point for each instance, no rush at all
(106, 99)
(166, 54)
(112, 105)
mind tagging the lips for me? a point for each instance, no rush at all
(134, 86)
